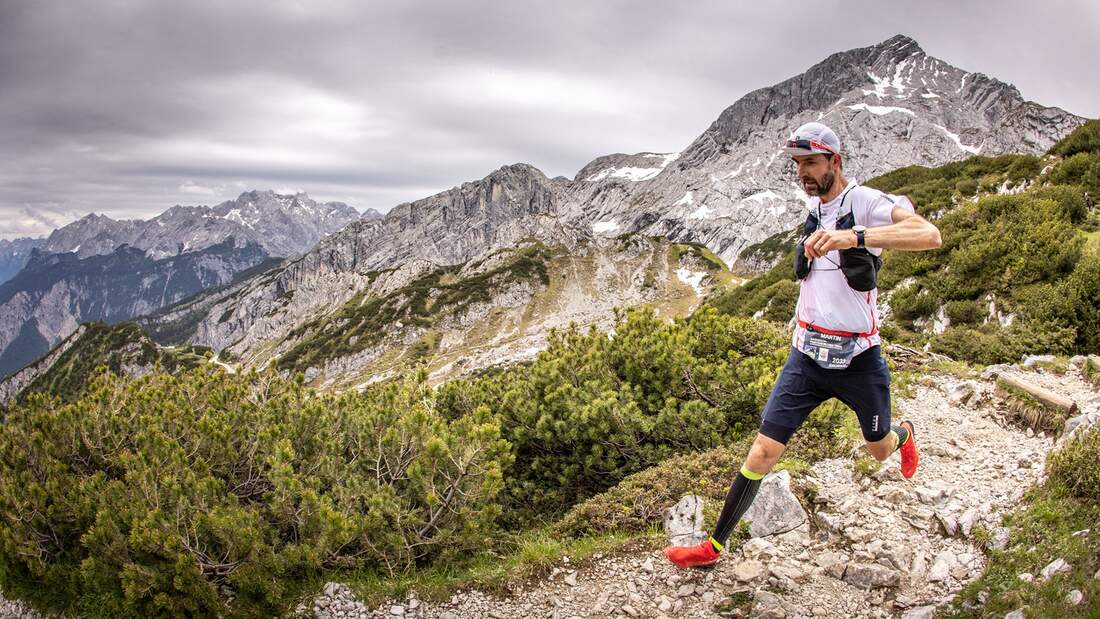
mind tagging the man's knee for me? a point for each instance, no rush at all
(763, 454)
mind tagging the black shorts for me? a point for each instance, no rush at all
(864, 386)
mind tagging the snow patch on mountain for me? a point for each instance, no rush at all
(760, 196)
(881, 110)
(703, 212)
(691, 278)
(974, 150)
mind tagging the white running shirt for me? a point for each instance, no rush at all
(825, 299)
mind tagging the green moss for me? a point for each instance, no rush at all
(513, 559)
(1091, 371)
(1074, 466)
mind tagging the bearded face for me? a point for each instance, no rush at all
(817, 175)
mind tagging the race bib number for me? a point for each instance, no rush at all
(832, 352)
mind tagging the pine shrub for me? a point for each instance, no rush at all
(210, 494)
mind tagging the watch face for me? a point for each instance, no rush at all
(859, 228)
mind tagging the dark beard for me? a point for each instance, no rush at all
(822, 185)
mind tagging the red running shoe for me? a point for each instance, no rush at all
(703, 555)
(909, 455)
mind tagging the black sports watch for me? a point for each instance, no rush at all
(859, 230)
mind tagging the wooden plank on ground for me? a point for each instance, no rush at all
(1046, 397)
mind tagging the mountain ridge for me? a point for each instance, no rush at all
(283, 224)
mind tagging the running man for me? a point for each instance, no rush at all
(836, 342)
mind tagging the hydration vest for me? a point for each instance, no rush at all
(860, 266)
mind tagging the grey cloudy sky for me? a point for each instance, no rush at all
(127, 107)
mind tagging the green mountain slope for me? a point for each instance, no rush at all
(123, 348)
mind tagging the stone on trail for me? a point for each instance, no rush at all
(767, 604)
(832, 562)
(748, 570)
(1033, 360)
(871, 576)
(1056, 566)
(999, 540)
(923, 612)
(962, 392)
(941, 567)
(1078, 424)
(776, 509)
(684, 521)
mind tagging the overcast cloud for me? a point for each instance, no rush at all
(128, 107)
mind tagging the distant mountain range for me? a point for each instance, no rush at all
(14, 255)
(891, 104)
(98, 268)
(283, 225)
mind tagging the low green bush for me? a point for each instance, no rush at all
(990, 343)
(912, 302)
(594, 408)
(640, 500)
(211, 494)
(1074, 466)
(782, 299)
(964, 312)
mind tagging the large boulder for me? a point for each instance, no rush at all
(776, 509)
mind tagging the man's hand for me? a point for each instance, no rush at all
(822, 242)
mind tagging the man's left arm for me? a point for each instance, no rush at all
(909, 232)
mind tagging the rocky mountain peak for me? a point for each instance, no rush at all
(621, 167)
(517, 171)
(283, 224)
(371, 215)
(14, 254)
(896, 69)
(899, 47)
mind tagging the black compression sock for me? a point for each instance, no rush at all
(738, 499)
(903, 435)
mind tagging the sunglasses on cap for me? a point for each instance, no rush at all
(809, 145)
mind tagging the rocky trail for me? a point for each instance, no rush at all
(869, 546)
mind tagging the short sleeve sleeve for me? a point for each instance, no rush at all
(879, 207)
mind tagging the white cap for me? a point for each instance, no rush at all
(813, 138)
